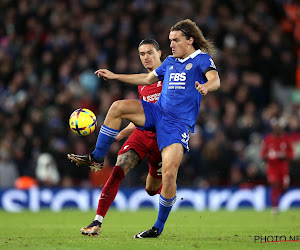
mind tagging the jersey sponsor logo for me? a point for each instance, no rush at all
(176, 80)
(177, 77)
(176, 87)
(151, 98)
(188, 66)
(212, 64)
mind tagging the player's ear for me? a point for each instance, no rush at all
(191, 41)
(160, 53)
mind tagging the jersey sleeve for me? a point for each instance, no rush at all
(160, 71)
(207, 64)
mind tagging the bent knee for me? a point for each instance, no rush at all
(116, 108)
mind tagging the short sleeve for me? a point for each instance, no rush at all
(161, 70)
(207, 64)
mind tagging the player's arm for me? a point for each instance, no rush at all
(134, 79)
(125, 132)
(212, 84)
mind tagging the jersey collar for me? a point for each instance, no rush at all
(197, 52)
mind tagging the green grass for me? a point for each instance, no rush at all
(185, 229)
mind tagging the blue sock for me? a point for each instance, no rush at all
(165, 206)
(105, 138)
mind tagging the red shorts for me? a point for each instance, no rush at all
(144, 145)
(277, 174)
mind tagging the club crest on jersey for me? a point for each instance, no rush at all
(188, 66)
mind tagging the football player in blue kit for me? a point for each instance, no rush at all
(188, 74)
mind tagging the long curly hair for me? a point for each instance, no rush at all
(190, 29)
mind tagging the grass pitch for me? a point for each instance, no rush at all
(185, 229)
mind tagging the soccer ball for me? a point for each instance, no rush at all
(83, 122)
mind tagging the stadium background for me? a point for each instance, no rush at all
(50, 49)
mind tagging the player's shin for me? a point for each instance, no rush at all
(110, 190)
(105, 138)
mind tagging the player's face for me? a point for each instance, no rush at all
(150, 57)
(181, 47)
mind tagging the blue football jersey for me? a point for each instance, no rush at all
(179, 98)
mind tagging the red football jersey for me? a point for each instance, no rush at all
(150, 93)
(277, 150)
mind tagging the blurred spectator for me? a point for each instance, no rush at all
(46, 170)
(8, 169)
(50, 49)
(252, 154)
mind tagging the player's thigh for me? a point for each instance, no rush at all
(131, 110)
(154, 159)
(155, 167)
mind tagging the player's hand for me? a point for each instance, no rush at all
(201, 88)
(106, 74)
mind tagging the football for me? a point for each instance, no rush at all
(83, 122)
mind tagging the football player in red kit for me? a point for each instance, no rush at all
(139, 144)
(277, 151)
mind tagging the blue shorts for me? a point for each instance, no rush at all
(168, 130)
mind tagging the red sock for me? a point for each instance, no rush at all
(275, 193)
(110, 190)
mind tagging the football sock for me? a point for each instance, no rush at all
(105, 138)
(99, 218)
(165, 206)
(110, 190)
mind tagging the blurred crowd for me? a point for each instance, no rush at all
(49, 50)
